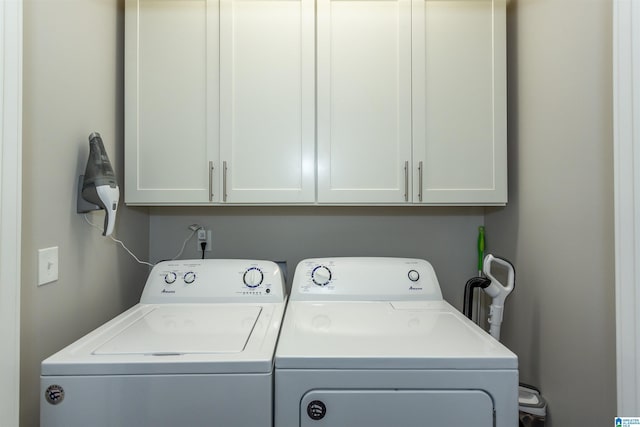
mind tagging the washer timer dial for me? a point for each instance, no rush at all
(170, 277)
(321, 275)
(253, 277)
(189, 277)
(414, 276)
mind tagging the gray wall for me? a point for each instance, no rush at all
(73, 85)
(558, 227)
(444, 236)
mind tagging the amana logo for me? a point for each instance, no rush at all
(54, 394)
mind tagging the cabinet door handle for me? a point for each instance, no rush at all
(406, 181)
(224, 181)
(210, 181)
(420, 181)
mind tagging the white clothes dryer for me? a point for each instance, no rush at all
(371, 342)
(196, 351)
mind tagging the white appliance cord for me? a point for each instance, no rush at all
(193, 229)
(86, 218)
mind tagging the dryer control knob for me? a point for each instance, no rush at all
(170, 277)
(414, 276)
(253, 277)
(321, 275)
(189, 277)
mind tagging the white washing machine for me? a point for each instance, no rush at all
(196, 351)
(370, 342)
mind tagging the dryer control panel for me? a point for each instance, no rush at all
(364, 279)
(214, 280)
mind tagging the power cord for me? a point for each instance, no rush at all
(86, 218)
(193, 227)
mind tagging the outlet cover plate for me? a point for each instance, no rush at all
(204, 236)
(47, 265)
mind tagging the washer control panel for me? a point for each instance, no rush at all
(375, 279)
(219, 280)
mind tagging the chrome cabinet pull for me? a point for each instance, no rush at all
(224, 181)
(406, 181)
(420, 181)
(210, 181)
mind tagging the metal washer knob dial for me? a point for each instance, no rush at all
(321, 275)
(253, 277)
(414, 276)
(170, 277)
(189, 277)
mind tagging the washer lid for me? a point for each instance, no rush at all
(171, 330)
(159, 339)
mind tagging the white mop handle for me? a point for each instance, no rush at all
(495, 320)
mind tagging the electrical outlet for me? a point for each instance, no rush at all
(204, 236)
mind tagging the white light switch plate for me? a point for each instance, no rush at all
(47, 265)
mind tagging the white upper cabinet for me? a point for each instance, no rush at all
(267, 101)
(459, 102)
(364, 101)
(171, 84)
(315, 102)
(220, 102)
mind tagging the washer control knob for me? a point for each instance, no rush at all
(189, 277)
(414, 276)
(321, 275)
(170, 277)
(253, 277)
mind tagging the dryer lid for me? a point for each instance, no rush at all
(177, 330)
(385, 335)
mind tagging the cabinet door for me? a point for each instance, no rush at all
(364, 101)
(459, 110)
(171, 93)
(267, 123)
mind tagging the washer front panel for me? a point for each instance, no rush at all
(159, 400)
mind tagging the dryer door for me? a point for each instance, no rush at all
(396, 408)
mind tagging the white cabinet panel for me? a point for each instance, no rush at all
(267, 101)
(171, 82)
(459, 110)
(364, 100)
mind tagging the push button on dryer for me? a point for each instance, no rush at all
(316, 410)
